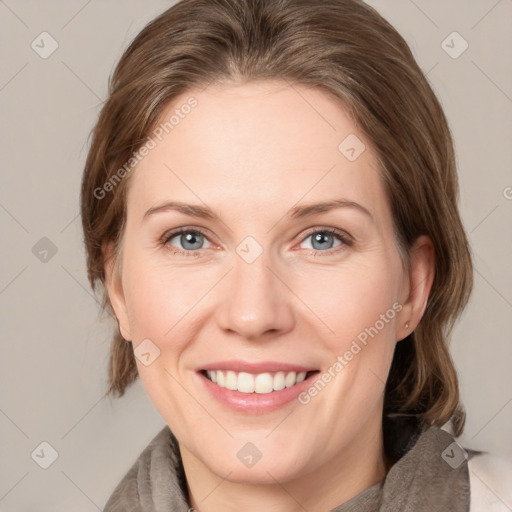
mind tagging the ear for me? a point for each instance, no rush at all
(417, 286)
(115, 291)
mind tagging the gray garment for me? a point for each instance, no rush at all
(421, 480)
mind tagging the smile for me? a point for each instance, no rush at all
(262, 383)
(254, 387)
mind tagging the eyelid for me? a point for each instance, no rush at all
(324, 229)
(205, 232)
(171, 233)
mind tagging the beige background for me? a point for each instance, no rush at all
(54, 347)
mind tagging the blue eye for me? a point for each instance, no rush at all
(322, 240)
(191, 241)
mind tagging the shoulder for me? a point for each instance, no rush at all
(490, 478)
(135, 487)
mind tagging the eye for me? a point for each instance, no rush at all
(190, 241)
(322, 240)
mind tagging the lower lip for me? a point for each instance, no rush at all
(255, 403)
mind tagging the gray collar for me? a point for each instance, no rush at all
(432, 476)
(421, 480)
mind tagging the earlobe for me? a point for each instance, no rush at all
(113, 284)
(421, 277)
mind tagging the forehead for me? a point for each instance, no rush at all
(259, 147)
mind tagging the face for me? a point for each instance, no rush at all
(264, 326)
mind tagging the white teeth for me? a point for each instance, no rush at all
(262, 383)
(290, 379)
(301, 376)
(279, 381)
(231, 380)
(245, 383)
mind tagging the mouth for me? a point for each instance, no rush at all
(261, 383)
(256, 388)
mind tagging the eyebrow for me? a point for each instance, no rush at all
(298, 212)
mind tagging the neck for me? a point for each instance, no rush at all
(356, 467)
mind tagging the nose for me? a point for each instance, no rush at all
(255, 302)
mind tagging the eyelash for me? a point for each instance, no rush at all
(342, 236)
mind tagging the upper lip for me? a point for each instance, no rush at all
(261, 367)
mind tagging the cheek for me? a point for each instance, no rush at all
(351, 299)
(347, 299)
(360, 308)
(158, 299)
(359, 305)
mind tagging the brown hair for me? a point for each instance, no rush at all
(346, 49)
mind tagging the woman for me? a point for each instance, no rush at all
(239, 137)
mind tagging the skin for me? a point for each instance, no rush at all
(252, 152)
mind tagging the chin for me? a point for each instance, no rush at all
(263, 472)
(258, 462)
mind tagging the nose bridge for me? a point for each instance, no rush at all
(255, 301)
